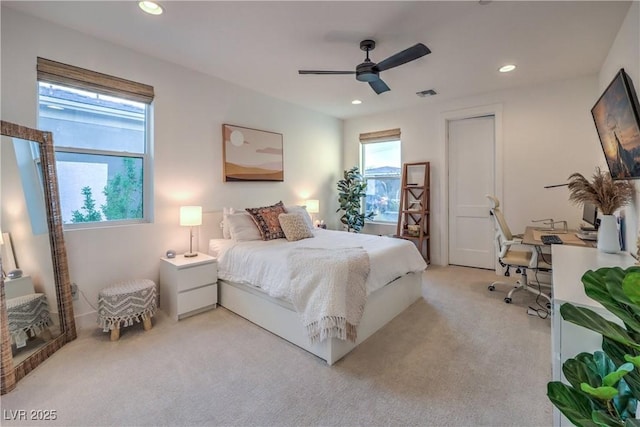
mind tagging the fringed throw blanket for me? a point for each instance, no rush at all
(328, 290)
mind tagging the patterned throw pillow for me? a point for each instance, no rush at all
(294, 226)
(266, 218)
(302, 211)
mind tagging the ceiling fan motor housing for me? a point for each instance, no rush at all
(366, 72)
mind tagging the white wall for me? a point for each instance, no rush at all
(547, 134)
(189, 110)
(625, 53)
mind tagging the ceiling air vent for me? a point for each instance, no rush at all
(428, 92)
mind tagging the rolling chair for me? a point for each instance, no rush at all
(521, 260)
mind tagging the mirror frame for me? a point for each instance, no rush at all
(11, 374)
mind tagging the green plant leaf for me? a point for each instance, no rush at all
(634, 360)
(605, 286)
(587, 318)
(615, 376)
(602, 393)
(619, 353)
(602, 418)
(595, 284)
(577, 371)
(631, 286)
(573, 404)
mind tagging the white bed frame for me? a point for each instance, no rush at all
(280, 317)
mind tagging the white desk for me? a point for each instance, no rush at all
(567, 339)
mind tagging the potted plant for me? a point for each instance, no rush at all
(609, 196)
(604, 387)
(351, 191)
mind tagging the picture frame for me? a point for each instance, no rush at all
(251, 154)
(616, 115)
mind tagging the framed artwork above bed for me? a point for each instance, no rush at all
(251, 154)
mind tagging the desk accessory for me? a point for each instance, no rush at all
(608, 196)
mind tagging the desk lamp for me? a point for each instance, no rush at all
(190, 216)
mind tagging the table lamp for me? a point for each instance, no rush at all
(313, 207)
(190, 216)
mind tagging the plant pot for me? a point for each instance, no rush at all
(608, 239)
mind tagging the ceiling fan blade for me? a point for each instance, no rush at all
(379, 86)
(407, 55)
(324, 72)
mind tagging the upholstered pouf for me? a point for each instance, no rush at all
(122, 303)
(28, 315)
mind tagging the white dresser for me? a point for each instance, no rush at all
(568, 339)
(188, 286)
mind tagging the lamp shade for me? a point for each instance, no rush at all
(313, 206)
(190, 215)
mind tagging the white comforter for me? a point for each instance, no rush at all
(264, 263)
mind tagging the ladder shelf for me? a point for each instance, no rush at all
(414, 212)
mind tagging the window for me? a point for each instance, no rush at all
(101, 140)
(381, 166)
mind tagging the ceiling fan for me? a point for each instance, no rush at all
(369, 71)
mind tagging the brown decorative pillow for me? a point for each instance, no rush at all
(266, 218)
(294, 226)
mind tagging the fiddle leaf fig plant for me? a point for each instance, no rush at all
(351, 191)
(604, 387)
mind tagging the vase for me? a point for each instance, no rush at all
(608, 239)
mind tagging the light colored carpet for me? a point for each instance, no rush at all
(458, 357)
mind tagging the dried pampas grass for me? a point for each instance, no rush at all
(608, 195)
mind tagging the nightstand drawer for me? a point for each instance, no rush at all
(197, 298)
(196, 276)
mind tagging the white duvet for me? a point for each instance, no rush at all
(264, 263)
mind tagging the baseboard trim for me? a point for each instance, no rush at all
(87, 320)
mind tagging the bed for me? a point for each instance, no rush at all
(253, 278)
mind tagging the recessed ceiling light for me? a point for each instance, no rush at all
(507, 68)
(151, 7)
(356, 102)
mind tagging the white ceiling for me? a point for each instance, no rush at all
(261, 45)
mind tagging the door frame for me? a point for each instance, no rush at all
(494, 110)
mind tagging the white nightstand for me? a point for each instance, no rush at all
(188, 286)
(18, 287)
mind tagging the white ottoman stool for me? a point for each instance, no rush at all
(122, 303)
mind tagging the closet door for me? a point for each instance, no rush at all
(471, 144)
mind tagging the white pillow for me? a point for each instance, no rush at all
(242, 228)
(302, 211)
(225, 224)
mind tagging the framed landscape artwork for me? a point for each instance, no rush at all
(251, 154)
(617, 121)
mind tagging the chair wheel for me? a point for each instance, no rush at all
(507, 273)
(507, 300)
(491, 288)
(548, 306)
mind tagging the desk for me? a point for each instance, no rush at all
(567, 339)
(532, 237)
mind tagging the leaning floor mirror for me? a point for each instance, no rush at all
(36, 307)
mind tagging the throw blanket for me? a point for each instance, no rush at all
(328, 290)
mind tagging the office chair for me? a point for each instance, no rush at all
(521, 260)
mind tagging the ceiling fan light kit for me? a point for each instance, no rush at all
(369, 72)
